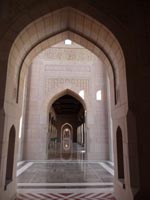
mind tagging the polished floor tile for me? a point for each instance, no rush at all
(64, 172)
(65, 196)
(65, 176)
(76, 152)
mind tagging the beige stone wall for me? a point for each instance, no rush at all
(53, 71)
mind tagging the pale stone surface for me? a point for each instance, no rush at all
(63, 67)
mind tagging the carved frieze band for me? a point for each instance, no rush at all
(68, 54)
(68, 68)
(53, 83)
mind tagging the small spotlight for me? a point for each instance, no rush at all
(68, 42)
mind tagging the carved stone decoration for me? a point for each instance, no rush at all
(53, 83)
(68, 68)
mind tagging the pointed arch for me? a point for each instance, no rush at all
(10, 156)
(66, 125)
(69, 92)
(92, 37)
(88, 32)
(120, 161)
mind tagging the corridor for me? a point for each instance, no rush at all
(71, 158)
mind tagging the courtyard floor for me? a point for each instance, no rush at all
(70, 179)
(65, 180)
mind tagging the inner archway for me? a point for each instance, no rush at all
(65, 121)
(66, 115)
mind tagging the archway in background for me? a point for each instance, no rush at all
(68, 111)
(61, 93)
(69, 133)
(66, 137)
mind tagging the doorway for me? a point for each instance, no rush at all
(66, 116)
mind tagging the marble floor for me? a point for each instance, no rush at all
(76, 152)
(65, 179)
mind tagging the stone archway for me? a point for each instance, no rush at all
(104, 46)
(66, 112)
(66, 136)
(108, 50)
(60, 93)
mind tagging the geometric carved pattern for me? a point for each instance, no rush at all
(53, 83)
(68, 68)
(70, 56)
(65, 196)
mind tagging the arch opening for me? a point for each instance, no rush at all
(110, 54)
(66, 115)
(120, 157)
(10, 156)
(59, 80)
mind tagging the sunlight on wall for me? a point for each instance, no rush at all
(99, 95)
(20, 127)
(81, 93)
